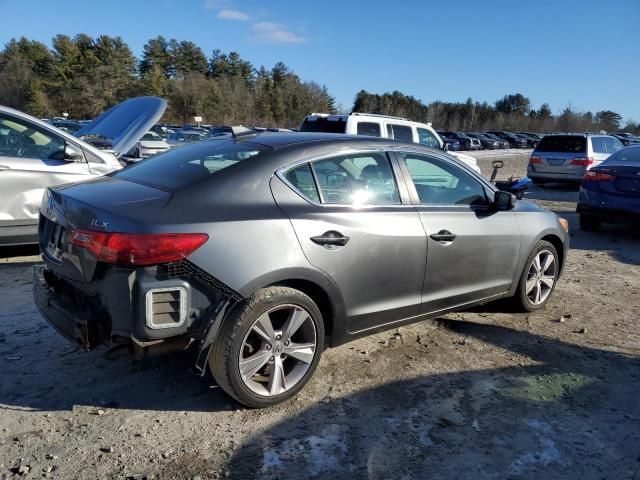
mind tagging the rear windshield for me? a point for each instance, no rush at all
(324, 125)
(563, 144)
(631, 154)
(187, 165)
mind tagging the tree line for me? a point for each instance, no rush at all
(84, 76)
(512, 112)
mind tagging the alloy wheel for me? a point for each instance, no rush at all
(541, 277)
(278, 350)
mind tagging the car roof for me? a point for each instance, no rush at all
(277, 140)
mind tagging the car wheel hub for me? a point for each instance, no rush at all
(541, 277)
(278, 350)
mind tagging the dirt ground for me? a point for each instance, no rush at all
(482, 394)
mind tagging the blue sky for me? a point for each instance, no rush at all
(581, 53)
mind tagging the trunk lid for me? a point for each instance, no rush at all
(124, 124)
(626, 181)
(123, 207)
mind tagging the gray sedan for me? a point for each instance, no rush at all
(259, 251)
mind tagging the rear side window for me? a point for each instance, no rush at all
(360, 179)
(400, 132)
(425, 137)
(597, 143)
(187, 165)
(302, 179)
(613, 144)
(324, 124)
(563, 144)
(369, 128)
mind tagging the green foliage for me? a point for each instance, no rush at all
(85, 76)
(512, 112)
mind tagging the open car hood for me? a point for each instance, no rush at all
(125, 123)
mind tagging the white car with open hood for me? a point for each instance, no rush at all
(35, 155)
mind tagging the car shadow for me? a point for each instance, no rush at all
(564, 411)
(553, 192)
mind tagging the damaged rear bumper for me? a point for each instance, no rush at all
(59, 314)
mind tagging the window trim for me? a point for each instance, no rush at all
(413, 193)
(398, 175)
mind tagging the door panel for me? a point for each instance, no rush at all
(22, 185)
(479, 263)
(379, 259)
(30, 161)
(472, 251)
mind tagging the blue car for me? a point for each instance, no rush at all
(453, 144)
(611, 191)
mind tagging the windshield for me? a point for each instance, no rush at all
(152, 137)
(187, 165)
(563, 144)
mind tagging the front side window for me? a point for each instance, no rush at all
(400, 132)
(439, 182)
(358, 179)
(425, 137)
(21, 139)
(369, 128)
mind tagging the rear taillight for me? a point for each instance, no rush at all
(138, 248)
(598, 176)
(535, 160)
(583, 162)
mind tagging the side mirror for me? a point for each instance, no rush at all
(445, 146)
(504, 201)
(73, 153)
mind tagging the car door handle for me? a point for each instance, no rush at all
(330, 239)
(443, 236)
(5, 167)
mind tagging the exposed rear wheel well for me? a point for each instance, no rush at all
(319, 296)
(557, 243)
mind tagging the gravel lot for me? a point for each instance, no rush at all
(480, 394)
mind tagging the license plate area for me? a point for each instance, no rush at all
(55, 242)
(555, 162)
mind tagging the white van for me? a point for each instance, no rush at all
(381, 126)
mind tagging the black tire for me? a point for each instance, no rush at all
(225, 351)
(589, 223)
(520, 299)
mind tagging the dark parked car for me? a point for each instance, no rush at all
(627, 139)
(503, 143)
(532, 142)
(466, 142)
(486, 142)
(256, 251)
(452, 143)
(611, 191)
(512, 138)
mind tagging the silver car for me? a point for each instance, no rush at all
(566, 158)
(258, 251)
(35, 155)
